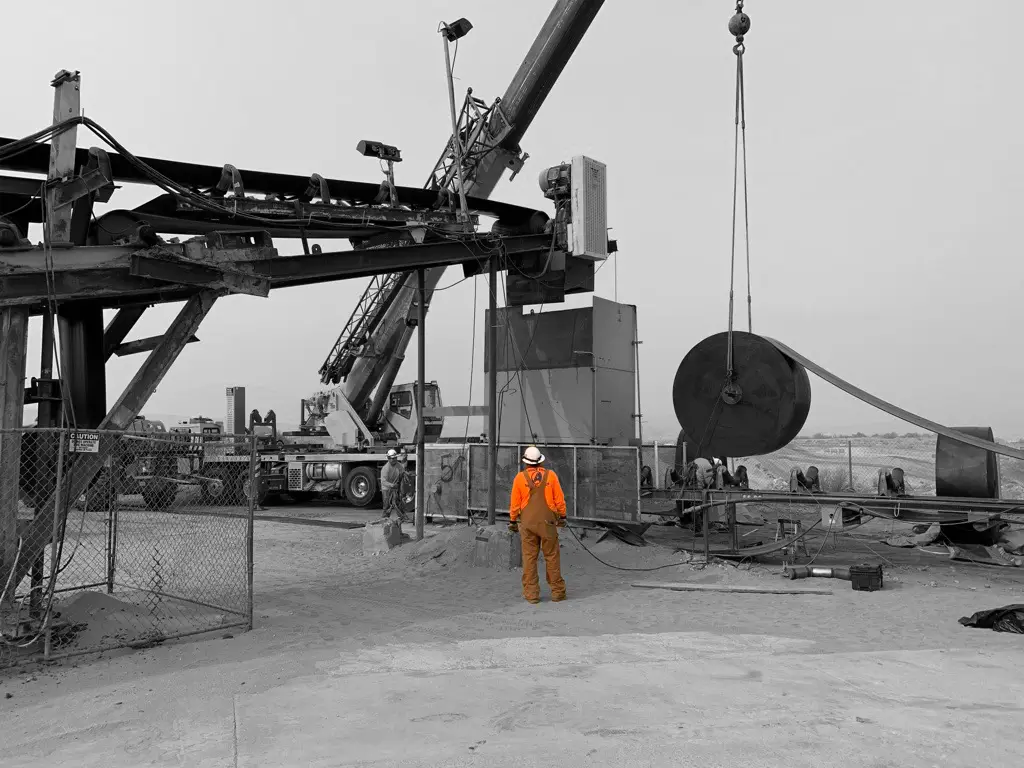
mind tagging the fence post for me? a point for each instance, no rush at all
(58, 496)
(657, 467)
(253, 458)
(639, 469)
(112, 521)
(111, 542)
(575, 484)
(849, 457)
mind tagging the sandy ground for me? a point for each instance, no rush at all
(415, 658)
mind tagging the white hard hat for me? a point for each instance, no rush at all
(391, 453)
(532, 456)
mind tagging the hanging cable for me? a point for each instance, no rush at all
(739, 25)
(472, 362)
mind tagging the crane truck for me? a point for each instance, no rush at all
(347, 428)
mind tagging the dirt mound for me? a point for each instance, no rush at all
(450, 547)
(95, 619)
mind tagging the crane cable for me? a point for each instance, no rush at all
(739, 25)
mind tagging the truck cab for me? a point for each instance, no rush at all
(400, 415)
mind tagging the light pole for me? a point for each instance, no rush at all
(450, 33)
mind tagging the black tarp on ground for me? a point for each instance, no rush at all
(1009, 618)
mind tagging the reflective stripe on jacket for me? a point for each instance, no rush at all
(521, 491)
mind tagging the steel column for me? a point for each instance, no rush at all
(66, 105)
(81, 328)
(82, 360)
(13, 349)
(421, 397)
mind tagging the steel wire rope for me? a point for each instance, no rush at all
(738, 26)
(53, 307)
(472, 363)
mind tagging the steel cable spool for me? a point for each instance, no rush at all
(964, 470)
(759, 410)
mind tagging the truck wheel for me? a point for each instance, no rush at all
(159, 495)
(215, 491)
(361, 486)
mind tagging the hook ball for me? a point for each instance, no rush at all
(739, 24)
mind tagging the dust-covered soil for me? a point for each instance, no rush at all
(417, 658)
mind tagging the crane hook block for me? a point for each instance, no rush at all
(739, 25)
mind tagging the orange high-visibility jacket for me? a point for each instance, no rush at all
(521, 492)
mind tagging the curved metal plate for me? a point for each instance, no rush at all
(966, 470)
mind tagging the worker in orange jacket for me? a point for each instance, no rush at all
(538, 500)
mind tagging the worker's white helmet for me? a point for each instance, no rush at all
(532, 456)
(391, 453)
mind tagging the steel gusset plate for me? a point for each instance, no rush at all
(774, 397)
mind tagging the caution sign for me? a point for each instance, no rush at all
(84, 442)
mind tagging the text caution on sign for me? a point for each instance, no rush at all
(84, 442)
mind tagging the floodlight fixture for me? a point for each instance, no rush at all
(379, 149)
(455, 30)
(451, 33)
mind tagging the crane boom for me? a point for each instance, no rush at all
(368, 354)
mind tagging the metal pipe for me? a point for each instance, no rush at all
(421, 401)
(821, 572)
(456, 140)
(492, 389)
(849, 459)
(111, 546)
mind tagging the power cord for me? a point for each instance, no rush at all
(621, 567)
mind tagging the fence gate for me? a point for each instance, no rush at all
(123, 539)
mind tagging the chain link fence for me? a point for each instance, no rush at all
(600, 483)
(122, 539)
(853, 463)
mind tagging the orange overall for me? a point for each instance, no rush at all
(537, 499)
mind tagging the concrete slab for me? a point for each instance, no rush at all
(631, 700)
(380, 536)
(497, 547)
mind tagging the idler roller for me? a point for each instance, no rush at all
(964, 470)
(759, 410)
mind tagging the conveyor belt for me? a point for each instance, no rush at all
(891, 409)
(36, 159)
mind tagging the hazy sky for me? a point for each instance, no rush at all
(884, 151)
